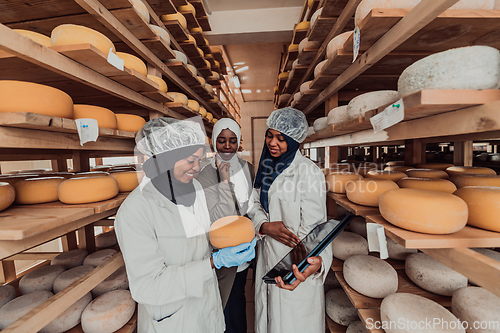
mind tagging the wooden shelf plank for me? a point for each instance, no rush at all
(370, 317)
(159, 48)
(298, 35)
(333, 327)
(176, 30)
(290, 58)
(341, 200)
(306, 56)
(136, 81)
(181, 70)
(332, 8)
(162, 7)
(131, 19)
(321, 28)
(192, 22)
(312, 10)
(182, 109)
(158, 96)
(322, 81)
(128, 328)
(204, 23)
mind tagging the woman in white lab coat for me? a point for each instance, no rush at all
(162, 232)
(288, 201)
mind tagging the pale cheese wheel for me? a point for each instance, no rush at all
(469, 170)
(203, 111)
(432, 275)
(356, 327)
(66, 278)
(310, 131)
(192, 69)
(133, 62)
(187, 8)
(71, 34)
(320, 123)
(127, 180)
(435, 166)
(209, 116)
(179, 97)
(175, 17)
(410, 308)
(473, 306)
(476, 180)
(472, 67)
(382, 174)
(293, 48)
(366, 6)
(359, 105)
(7, 195)
(358, 225)
(69, 318)
(179, 56)
(141, 9)
(231, 231)
(339, 308)
(40, 279)
(215, 74)
(99, 257)
(129, 122)
(337, 43)
(158, 80)
(7, 294)
(284, 98)
(295, 63)
(88, 189)
(315, 16)
(117, 280)
(398, 252)
(201, 80)
(306, 86)
(105, 117)
(425, 211)
(297, 96)
(427, 173)
(194, 105)
(91, 174)
(108, 312)
(36, 37)
(37, 190)
(20, 306)
(303, 25)
(18, 96)
(306, 44)
(367, 191)
(484, 206)
(337, 115)
(162, 33)
(209, 87)
(396, 163)
(348, 244)
(432, 184)
(370, 276)
(70, 259)
(337, 181)
(319, 68)
(400, 168)
(106, 239)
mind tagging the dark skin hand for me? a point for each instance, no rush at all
(223, 170)
(278, 231)
(314, 266)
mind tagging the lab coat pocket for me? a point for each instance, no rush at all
(290, 214)
(173, 321)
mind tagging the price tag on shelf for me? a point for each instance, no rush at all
(391, 115)
(114, 60)
(355, 43)
(88, 130)
(376, 239)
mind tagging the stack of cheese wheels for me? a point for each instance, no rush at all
(162, 85)
(132, 62)
(320, 124)
(337, 180)
(20, 306)
(18, 96)
(348, 244)
(7, 294)
(175, 17)
(382, 174)
(105, 117)
(129, 122)
(88, 189)
(400, 168)
(427, 173)
(99, 257)
(474, 305)
(162, 33)
(106, 239)
(37, 190)
(194, 105)
(337, 115)
(319, 68)
(7, 195)
(71, 34)
(398, 252)
(117, 280)
(359, 105)
(432, 184)
(127, 180)
(483, 203)
(434, 166)
(472, 67)
(469, 170)
(179, 97)
(40, 279)
(336, 44)
(179, 56)
(141, 9)
(425, 211)
(91, 174)
(367, 191)
(70, 259)
(305, 87)
(476, 180)
(231, 231)
(339, 308)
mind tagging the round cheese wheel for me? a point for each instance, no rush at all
(303, 25)
(99, 257)
(472, 67)
(337, 43)
(179, 56)
(18, 96)
(293, 48)
(106, 239)
(363, 170)
(425, 211)
(109, 312)
(483, 203)
(20, 306)
(91, 174)
(187, 8)
(203, 111)
(69, 318)
(400, 168)
(319, 68)
(209, 65)
(162, 33)
(367, 191)
(161, 83)
(133, 62)
(366, 6)
(7, 294)
(348, 244)
(40, 279)
(339, 308)
(306, 44)
(209, 88)
(432, 184)
(200, 51)
(409, 308)
(337, 181)
(231, 231)
(196, 30)
(37, 190)
(129, 122)
(194, 105)
(396, 163)
(390, 175)
(87, 189)
(192, 69)
(310, 131)
(469, 170)
(70, 259)
(297, 96)
(370, 276)
(356, 327)
(435, 166)
(36, 37)
(320, 124)
(215, 121)
(71, 34)
(473, 305)
(215, 74)
(105, 117)
(68, 277)
(427, 173)
(359, 105)
(304, 87)
(283, 76)
(127, 180)
(337, 115)
(141, 9)
(431, 275)
(179, 97)
(398, 252)
(315, 16)
(209, 116)
(201, 80)
(358, 225)
(294, 64)
(117, 280)
(7, 195)
(175, 17)
(476, 180)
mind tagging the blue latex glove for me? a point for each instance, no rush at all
(234, 255)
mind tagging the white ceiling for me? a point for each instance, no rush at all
(225, 5)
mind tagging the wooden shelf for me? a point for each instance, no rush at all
(290, 58)
(333, 327)
(306, 56)
(133, 21)
(321, 28)
(162, 7)
(159, 48)
(181, 70)
(333, 8)
(312, 10)
(369, 317)
(192, 22)
(182, 109)
(204, 23)
(298, 35)
(350, 126)
(176, 30)
(358, 210)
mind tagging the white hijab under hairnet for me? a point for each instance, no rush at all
(222, 124)
(289, 121)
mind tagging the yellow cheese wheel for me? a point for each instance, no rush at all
(141, 8)
(192, 69)
(200, 51)
(209, 65)
(194, 105)
(484, 206)
(37, 190)
(206, 42)
(196, 30)
(129, 122)
(430, 212)
(215, 121)
(203, 111)
(132, 62)
(208, 56)
(162, 33)
(104, 168)
(432, 184)
(201, 80)
(395, 163)
(175, 17)
(178, 97)
(12, 179)
(159, 81)
(191, 39)
(18, 96)
(303, 25)
(363, 170)
(127, 180)
(427, 173)
(400, 168)
(231, 231)
(105, 117)
(293, 47)
(7, 195)
(91, 174)
(367, 191)
(187, 8)
(88, 189)
(469, 170)
(476, 180)
(209, 116)
(310, 3)
(337, 180)
(217, 64)
(283, 76)
(217, 75)
(390, 175)
(209, 87)
(36, 37)
(435, 166)
(70, 34)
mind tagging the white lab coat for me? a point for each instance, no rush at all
(298, 198)
(170, 274)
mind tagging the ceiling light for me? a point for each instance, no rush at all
(236, 81)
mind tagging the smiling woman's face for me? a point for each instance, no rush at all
(226, 144)
(276, 143)
(187, 168)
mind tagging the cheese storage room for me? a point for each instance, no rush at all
(246, 166)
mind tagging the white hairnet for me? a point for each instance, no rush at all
(222, 124)
(160, 135)
(289, 121)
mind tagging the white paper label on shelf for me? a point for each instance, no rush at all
(88, 130)
(376, 239)
(114, 60)
(391, 115)
(355, 44)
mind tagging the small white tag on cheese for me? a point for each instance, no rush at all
(355, 44)
(114, 60)
(376, 239)
(88, 130)
(391, 115)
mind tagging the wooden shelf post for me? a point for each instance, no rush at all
(81, 162)
(462, 153)
(414, 152)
